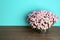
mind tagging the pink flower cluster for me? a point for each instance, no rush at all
(42, 19)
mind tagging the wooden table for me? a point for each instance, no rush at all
(25, 33)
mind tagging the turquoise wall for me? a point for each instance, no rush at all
(14, 12)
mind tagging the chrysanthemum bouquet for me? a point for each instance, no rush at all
(42, 20)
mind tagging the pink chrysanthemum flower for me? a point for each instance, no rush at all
(42, 19)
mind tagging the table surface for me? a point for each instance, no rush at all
(26, 33)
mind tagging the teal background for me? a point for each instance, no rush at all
(14, 12)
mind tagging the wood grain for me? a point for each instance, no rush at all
(26, 33)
